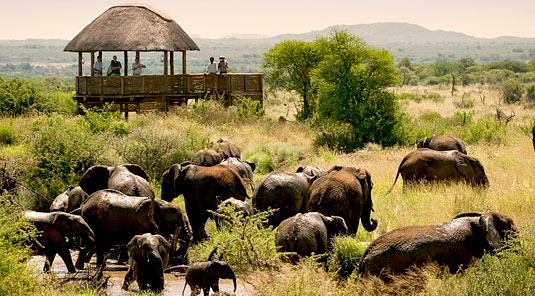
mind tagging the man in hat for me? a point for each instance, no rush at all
(223, 65)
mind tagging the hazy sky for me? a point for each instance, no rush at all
(63, 19)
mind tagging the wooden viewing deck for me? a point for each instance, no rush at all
(159, 92)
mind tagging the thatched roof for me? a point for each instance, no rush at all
(132, 27)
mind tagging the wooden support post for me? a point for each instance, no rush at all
(165, 62)
(184, 62)
(79, 63)
(92, 63)
(137, 54)
(125, 63)
(172, 61)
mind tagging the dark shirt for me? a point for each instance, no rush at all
(115, 64)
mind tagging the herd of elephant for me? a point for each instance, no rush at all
(116, 207)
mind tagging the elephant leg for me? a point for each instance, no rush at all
(123, 256)
(215, 287)
(66, 256)
(128, 278)
(50, 253)
(206, 291)
(197, 226)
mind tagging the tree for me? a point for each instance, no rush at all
(290, 64)
(352, 80)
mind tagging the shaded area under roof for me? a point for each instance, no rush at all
(132, 27)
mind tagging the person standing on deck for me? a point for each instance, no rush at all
(97, 67)
(115, 67)
(212, 67)
(223, 65)
(136, 67)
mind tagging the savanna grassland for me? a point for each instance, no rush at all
(48, 152)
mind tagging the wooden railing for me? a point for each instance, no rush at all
(169, 85)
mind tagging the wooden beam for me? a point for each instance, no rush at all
(79, 63)
(92, 63)
(125, 63)
(172, 61)
(137, 54)
(183, 62)
(165, 62)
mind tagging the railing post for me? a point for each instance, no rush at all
(165, 62)
(172, 60)
(79, 63)
(184, 62)
(92, 63)
(125, 63)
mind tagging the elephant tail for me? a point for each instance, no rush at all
(397, 175)
(185, 284)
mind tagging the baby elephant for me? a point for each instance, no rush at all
(454, 244)
(442, 143)
(148, 257)
(206, 275)
(308, 233)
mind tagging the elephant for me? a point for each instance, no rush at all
(240, 205)
(286, 192)
(229, 149)
(116, 217)
(130, 179)
(206, 275)
(148, 258)
(69, 200)
(55, 228)
(308, 233)
(430, 165)
(244, 168)
(312, 171)
(207, 157)
(442, 143)
(344, 192)
(454, 244)
(203, 189)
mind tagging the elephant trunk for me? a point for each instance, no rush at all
(234, 282)
(368, 223)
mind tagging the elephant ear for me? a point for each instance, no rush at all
(95, 179)
(252, 165)
(61, 223)
(335, 168)
(423, 143)
(164, 247)
(494, 238)
(463, 166)
(136, 170)
(334, 224)
(469, 214)
(133, 248)
(168, 182)
(365, 180)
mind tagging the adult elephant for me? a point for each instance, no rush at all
(430, 165)
(308, 233)
(55, 229)
(454, 244)
(442, 143)
(344, 192)
(228, 149)
(206, 275)
(203, 189)
(207, 157)
(69, 200)
(129, 179)
(148, 258)
(116, 217)
(286, 192)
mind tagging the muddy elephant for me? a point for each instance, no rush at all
(129, 179)
(240, 205)
(148, 257)
(69, 200)
(55, 229)
(203, 188)
(206, 275)
(308, 233)
(344, 192)
(286, 192)
(442, 143)
(207, 157)
(244, 168)
(312, 171)
(116, 217)
(454, 244)
(430, 165)
(228, 149)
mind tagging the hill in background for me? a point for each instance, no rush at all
(37, 57)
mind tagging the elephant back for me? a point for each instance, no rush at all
(338, 193)
(207, 157)
(282, 191)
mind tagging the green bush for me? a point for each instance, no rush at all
(16, 278)
(155, 149)
(345, 255)
(271, 157)
(63, 149)
(511, 91)
(530, 93)
(249, 107)
(105, 120)
(246, 243)
(7, 135)
(418, 98)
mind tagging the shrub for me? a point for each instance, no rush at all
(248, 107)
(63, 149)
(16, 278)
(271, 157)
(105, 120)
(511, 91)
(530, 93)
(246, 243)
(345, 255)
(7, 135)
